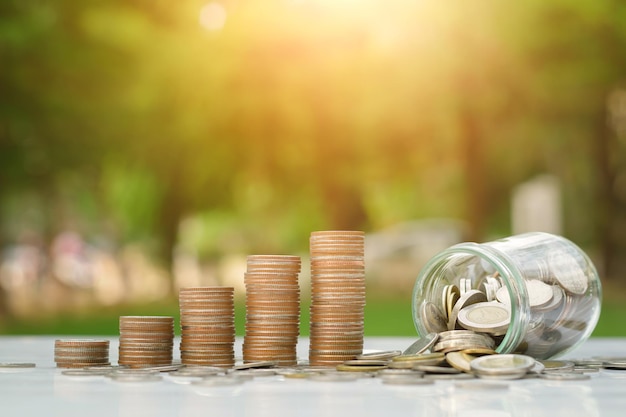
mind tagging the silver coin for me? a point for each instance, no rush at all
(568, 273)
(558, 296)
(17, 365)
(564, 376)
(380, 355)
(539, 293)
(488, 317)
(84, 372)
(250, 365)
(459, 361)
(469, 298)
(409, 372)
(502, 366)
(366, 362)
(422, 344)
(614, 365)
(434, 319)
(201, 372)
(433, 369)
(557, 365)
(461, 375)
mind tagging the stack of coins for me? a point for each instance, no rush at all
(207, 322)
(272, 309)
(146, 341)
(80, 353)
(337, 296)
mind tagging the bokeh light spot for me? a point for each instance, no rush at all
(213, 16)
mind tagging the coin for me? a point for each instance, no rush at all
(539, 293)
(84, 372)
(145, 340)
(459, 361)
(360, 368)
(567, 271)
(557, 365)
(469, 298)
(379, 355)
(207, 326)
(422, 344)
(337, 296)
(250, 365)
(74, 353)
(435, 369)
(487, 317)
(433, 318)
(17, 365)
(564, 376)
(506, 366)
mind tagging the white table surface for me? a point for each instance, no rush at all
(43, 391)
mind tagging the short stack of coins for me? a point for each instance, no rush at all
(337, 296)
(146, 341)
(207, 321)
(81, 353)
(272, 309)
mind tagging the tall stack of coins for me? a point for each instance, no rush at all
(80, 353)
(207, 321)
(337, 296)
(146, 340)
(272, 309)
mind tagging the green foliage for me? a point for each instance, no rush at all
(303, 115)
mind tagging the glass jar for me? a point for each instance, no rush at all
(534, 293)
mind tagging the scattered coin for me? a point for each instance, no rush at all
(422, 344)
(84, 372)
(507, 366)
(564, 376)
(250, 365)
(360, 368)
(380, 355)
(17, 365)
(557, 365)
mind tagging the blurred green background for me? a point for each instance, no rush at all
(146, 145)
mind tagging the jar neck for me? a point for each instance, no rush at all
(511, 277)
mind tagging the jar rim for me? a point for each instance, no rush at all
(513, 279)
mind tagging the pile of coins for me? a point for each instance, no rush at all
(79, 353)
(465, 358)
(553, 290)
(337, 296)
(146, 341)
(207, 322)
(272, 309)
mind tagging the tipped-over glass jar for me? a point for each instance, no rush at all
(534, 293)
